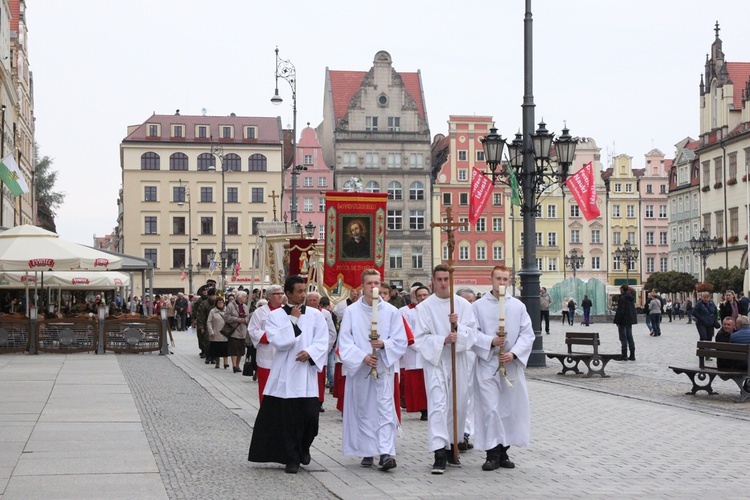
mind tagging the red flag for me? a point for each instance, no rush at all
(583, 189)
(481, 188)
(182, 276)
(236, 269)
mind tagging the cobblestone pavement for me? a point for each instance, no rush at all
(632, 434)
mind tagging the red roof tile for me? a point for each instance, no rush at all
(344, 84)
(739, 73)
(268, 129)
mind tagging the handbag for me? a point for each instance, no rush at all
(717, 324)
(227, 330)
(247, 368)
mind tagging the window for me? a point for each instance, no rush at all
(233, 255)
(322, 182)
(308, 181)
(630, 211)
(575, 235)
(150, 254)
(539, 241)
(552, 239)
(649, 211)
(416, 160)
(206, 255)
(552, 264)
(395, 221)
(372, 160)
(307, 205)
(153, 131)
(596, 263)
(481, 252)
(178, 194)
(497, 252)
(480, 155)
(732, 165)
(322, 232)
(178, 161)
(650, 238)
(257, 163)
(463, 252)
(207, 225)
(663, 264)
(178, 258)
(372, 187)
(394, 160)
(539, 264)
(463, 174)
(616, 211)
(207, 194)
(497, 199)
(463, 199)
(233, 195)
(254, 224)
(250, 133)
(720, 223)
(447, 198)
(350, 160)
(205, 162)
(649, 189)
(202, 132)
(464, 228)
(551, 211)
(371, 123)
(497, 224)
(618, 187)
(226, 132)
(481, 225)
(322, 204)
(596, 236)
(663, 189)
(617, 238)
(662, 211)
(394, 191)
(178, 225)
(150, 224)
(395, 258)
(233, 225)
(308, 159)
(445, 253)
(628, 188)
(417, 258)
(631, 237)
(416, 191)
(462, 155)
(734, 221)
(149, 193)
(394, 123)
(149, 161)
(177, 131)
(616, 265)
(575, 211)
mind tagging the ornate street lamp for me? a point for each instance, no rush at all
(628, 254)
(286, 71)
(704, 246)
(574, 261)
(529, 168)
(310, 229)
(218, 152)
(180, 204)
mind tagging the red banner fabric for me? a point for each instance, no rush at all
(355, 239)
(300, 255)
(583, 188)
(481, 189)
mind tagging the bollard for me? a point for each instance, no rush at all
(165, 333)
(33, 316)
(102, 315)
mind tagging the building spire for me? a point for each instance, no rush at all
(717, 29)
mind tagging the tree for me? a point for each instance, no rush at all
(671, 282)
(725, 279)
(44, 182)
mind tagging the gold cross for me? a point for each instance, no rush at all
(273, 197)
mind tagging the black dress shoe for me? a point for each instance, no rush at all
(305, 459)
(291, 468)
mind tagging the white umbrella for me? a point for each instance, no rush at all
(31, 248)
(69, 280)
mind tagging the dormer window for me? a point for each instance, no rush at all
(153, 130)
(251, 133)
(226, 132)
(177, 131)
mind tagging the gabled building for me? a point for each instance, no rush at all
(653, 185)
(375, 128)
(175, 191)
(724, 152)
(482, 245)
(684, 212)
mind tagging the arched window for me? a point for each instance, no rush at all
(232, 163)
(416, 191)
(372, 187)
(258, 163)
(394, 191)
(178, 161)
(205, 160)
(150, 161)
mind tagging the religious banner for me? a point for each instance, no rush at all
(301, 255)
(481, 189)
(355, 240)
(583, 188)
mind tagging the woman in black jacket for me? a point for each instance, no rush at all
(625, 318)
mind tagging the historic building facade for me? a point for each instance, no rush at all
(684, 208)
(180, 174)
(653, 185)
(375, 129)
(724, 155)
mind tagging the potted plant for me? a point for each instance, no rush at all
(718, 185)
(706, 189)
(732, 181)
(720, 240)
(733, 239)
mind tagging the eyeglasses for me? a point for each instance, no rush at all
(277, 293)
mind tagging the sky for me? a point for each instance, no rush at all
(625, 73)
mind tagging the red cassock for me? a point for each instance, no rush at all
(413, 382)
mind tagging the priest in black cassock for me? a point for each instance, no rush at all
(287, 420)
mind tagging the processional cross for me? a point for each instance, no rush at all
(273, 197)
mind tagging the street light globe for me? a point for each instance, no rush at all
(276, 99)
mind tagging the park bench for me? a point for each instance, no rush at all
(718, 350)
(594, 361)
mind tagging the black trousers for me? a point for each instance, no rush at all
(545, 320)
(284, 430)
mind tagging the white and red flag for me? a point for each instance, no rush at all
(583, 188)
(481, 188)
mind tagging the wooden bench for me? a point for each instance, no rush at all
(595, 361)
(703, 376)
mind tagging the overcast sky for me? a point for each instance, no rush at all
(625, 73)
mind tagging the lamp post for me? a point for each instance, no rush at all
(286, 71)
(529, 160)
(574, 261)
(310, 229)
(218, 152)
(181, 203)
(629, 254)
(704, 246)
